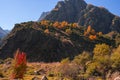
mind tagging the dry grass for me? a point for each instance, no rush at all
(47, 67)
(50, 69)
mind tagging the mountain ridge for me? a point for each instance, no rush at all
(3, 33)
(43, 15)
(85, 14)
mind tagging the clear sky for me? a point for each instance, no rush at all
(17, 11)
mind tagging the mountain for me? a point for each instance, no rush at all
(100, 19)
(2, 33)
(67, 10)
(85, 14)
(50, 41)
(7, 31)
(47, 43)
(43, 15)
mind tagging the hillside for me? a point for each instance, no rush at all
(85, 14)
(46, 41)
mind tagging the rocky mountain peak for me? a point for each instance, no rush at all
(67, 10)
(85, 14)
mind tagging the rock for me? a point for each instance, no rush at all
(40, 72)
(44, 78)
(35, 78)
(117, 78)
(67, 10)
(114, 76)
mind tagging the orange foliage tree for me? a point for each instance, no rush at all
(64, 24)
(87, 32)
(45, 22)
(56, 24)
(89, 29)
(92, 37)
(90, 33)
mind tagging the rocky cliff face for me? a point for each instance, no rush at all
(99, 18)
(67, 10)
(79, 11)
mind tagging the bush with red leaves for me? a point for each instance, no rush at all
(19, 65)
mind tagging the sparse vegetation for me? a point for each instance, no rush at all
(97, 55)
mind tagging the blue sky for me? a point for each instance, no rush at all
(17, 11)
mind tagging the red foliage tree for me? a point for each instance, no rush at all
(20, 65)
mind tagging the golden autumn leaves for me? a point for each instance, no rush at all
(89, 32)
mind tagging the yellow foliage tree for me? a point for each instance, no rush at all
(101, 50)
(100, 33)
(74, 25)
(68, 31)
(115, 58)
(45, 22)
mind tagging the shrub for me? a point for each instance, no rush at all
(115, 58)
(68, 70)
(82, 59)
(101, 50)
(92, 70)
(19, 65)
(66, 60)
(102, 58)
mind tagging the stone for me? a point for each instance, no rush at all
(35, 78)
(44, 78)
